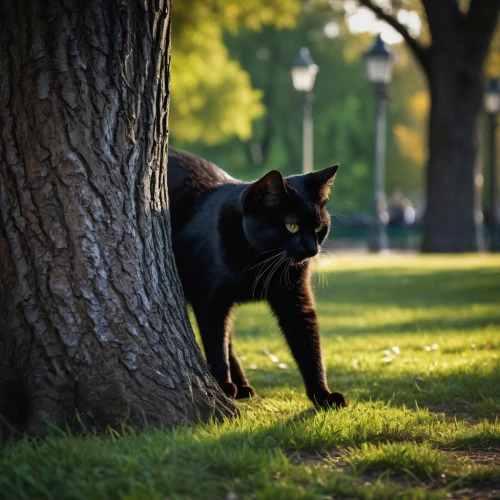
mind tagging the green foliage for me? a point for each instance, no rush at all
(233, 101)
(398, 439)
(343, 110)
(212, 97)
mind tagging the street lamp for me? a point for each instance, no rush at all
(492, 106)
(379, 62)
(303, 75)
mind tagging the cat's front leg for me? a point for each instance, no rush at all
(212, 321)
(245, 390)
(294, 309)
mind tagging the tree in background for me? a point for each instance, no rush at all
(453, 63)
(344, 106)
(92, 315)
(213, 98)
(343, 110)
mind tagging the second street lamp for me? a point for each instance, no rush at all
(303, 75)
(492, 106)
(379, 62)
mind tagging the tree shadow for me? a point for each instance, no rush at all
(416, 326)
(401, 287)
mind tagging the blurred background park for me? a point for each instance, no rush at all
(233, 102)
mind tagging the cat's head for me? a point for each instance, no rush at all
(288, 214)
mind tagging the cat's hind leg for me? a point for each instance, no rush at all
(212, 322)
(245, 390)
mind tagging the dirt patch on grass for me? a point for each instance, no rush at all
(490, 456)
(478, 459)
(475, 493)
(333, 458)
(455, 411)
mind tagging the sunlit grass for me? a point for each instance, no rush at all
(413, 342)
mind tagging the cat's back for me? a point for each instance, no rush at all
(190, 178)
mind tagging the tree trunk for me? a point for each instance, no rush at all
(451, 220)
(93, 314)
(453, 65)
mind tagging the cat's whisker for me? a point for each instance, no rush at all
(281, 262)
(269, 268)
(330, 254)
(271, 273)
(265, 273)
(259, 256)
(288, 273)
(247, 268)
(263, 267)
(283, 274)
(322, 274)
(260, 264)
(288, 280)
(317, 268)
(288, 266)
(268, 263)
(258, 275)
(322, 250)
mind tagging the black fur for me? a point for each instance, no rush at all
(232, 246)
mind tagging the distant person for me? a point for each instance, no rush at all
(401, 211)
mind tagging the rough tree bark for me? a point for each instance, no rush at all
(93, 314)
(453, 64)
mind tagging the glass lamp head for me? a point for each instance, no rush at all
(303, 71)
(379, 62)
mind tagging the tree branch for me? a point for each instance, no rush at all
(419, 51)
(444, 19)
(481, 21)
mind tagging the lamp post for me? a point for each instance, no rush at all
(492, 106)
(379, 61)
(303, 75)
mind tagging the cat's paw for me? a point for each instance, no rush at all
(229, 389)
(333, 400)
(245, 391)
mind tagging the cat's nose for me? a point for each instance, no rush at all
(310, 248)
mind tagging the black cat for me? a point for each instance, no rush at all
(236, 242)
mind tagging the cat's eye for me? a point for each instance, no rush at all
(320, 227)
(293, 228)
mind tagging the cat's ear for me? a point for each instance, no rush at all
(269, 189)
(323, 181)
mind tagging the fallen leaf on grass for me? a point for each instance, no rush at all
(433, 347)
(272, 357)
(419, 382)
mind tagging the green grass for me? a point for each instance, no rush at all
(414, 343)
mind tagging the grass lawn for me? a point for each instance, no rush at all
(413, 341)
